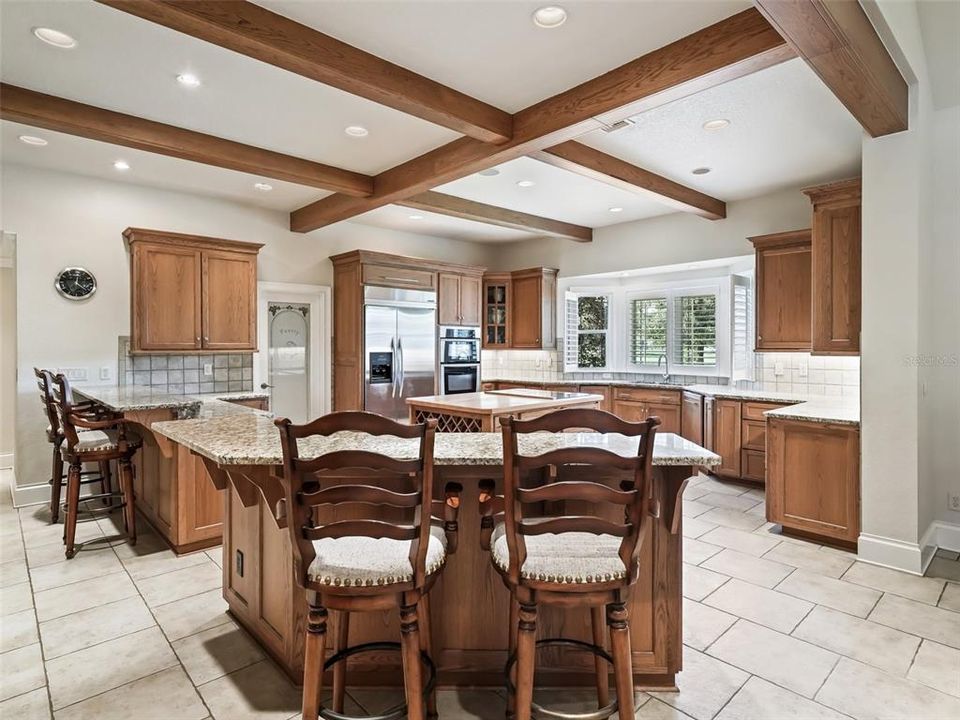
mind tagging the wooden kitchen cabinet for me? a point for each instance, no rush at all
(726, 436)
(190, 293)
(691, 416)
(533, 308)
(600, 390)
(496, 310)
(813, 479)
(783, 300)
(637, 404)
(836, 268)
(459, 299)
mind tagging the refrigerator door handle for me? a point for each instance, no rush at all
(400, 355)
(393, 369)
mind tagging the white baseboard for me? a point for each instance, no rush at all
(945, 535)
(31, 494)
(6, 460)
(887, 552)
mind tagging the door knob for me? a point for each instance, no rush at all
(264, 386)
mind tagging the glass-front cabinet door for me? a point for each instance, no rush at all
(496, 310)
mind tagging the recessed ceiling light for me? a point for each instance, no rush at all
(700, 171)
(188, 80)
(526, 183)
(33, 140)
(550, 16)
(415, 217)
(263, 187)
(121, 165)
(356, 131)
(489, 172)
(616, 209)
(54, 37)
(717, 124)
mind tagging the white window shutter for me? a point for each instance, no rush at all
(742, 328)
(571, 324)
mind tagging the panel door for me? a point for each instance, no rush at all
(166, 298)
(229, 301)
(836, 280)
(630, 411)
(783, 298)
(726, 436)
(448, 299)
(471, 304)
(525, 312)
(691, 417)
(669, 416)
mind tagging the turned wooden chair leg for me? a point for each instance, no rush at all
(73, 505)
(410, 653)
(512, 645)
(526, 658)
(340, 669)
(426, 645)
(56, 483)
(129, 510)
(105, 484)
(602, 671)
(313, 661)
(622, 662)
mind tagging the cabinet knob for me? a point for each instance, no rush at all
(198, 339)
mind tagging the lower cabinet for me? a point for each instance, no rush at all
(637, 404)
(727, 437)
(813, 478)
(691, 416)
(739, 436)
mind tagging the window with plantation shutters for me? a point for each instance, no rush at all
(586, 326)
(742, 324)
(648, 330)
(695, 330)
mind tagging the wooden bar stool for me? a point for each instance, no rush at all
(581, 559)
(103, 440)
(55, 437)
(366, 559)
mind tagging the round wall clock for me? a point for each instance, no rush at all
(75, 283)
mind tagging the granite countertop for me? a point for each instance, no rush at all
(493, 403)
(126, 398)
(253, 439)
(838, 411)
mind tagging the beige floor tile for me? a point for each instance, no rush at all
(698, 583)
(692, 492)
(695, 551)
(760, 509)
(82, 567)
(836, 594)
(468, 703)
(950, 600)
(692, 508)
(740, 503)
(732, 519)
(213, 653)
(712, 484)
(702, 624)
(22, 671)
(570, 700)
(655, 709)
(779, 658)
(145, 560)
(13, 572)
(760, 699)
(695, 527)
(15, 598)
(941, 552)
(11, 547)
(97, 591)
(166, 695)
(34, 517)
(90, 627)
(933, 623)
(706, 684)
(91, 671)
(922, 589)
(937, 666)
(763, 606)
(257, 692)
(810, 558)
(216, 554)
(178, 584)
(46, 534)
(740, 541)
(866, 693)
(941, 567)
(192, 614)
(862, 640)
(376, 700)
(34, 705)
(747, 567)
(50, 553)
(18, 630)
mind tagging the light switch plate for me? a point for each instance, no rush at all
(803, 369)
(778, 368)
(208, 369)
(105, 372)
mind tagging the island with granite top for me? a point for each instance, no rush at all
(469, 605)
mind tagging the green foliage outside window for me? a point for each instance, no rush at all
(593, 314)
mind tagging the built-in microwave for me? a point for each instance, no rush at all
(459, 346)
(457, 379)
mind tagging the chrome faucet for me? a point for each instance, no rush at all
(666, 369)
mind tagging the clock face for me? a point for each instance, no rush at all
(75, 283)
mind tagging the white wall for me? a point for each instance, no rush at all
(8, 348)
(665, 240)
(62, 219)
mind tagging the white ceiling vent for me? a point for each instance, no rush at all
(617, 126)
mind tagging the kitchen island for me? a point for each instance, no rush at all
(481, 411)
(469, 604)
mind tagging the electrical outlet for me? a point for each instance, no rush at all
(500, 361)
(208, 369)
(74, 374)
(778, 368)
(239, 564)
(803, 369)
(954, 501)
(105, 372)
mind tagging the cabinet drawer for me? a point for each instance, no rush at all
(755, 410)
(663, 397)
(753, 465)
(753, 435)
(397, 277)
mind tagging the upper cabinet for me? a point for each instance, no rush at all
(496, 308)
(191, 293)
(836, 268)
(533, 308)
(459, 299)
(783, 291)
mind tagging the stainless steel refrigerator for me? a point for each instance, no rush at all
(400, 348)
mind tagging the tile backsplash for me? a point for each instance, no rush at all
(181, 374)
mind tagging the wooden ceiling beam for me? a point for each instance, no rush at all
(254, 31)
(838, 41)
(453, 206)
(584, 160)
(724, 51)
(25, 106)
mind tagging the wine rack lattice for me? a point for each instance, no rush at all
(450, 423)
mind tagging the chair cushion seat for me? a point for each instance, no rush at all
(364, 562)
(566, 558)
(100, 440)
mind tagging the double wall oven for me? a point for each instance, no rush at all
(459, 360)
